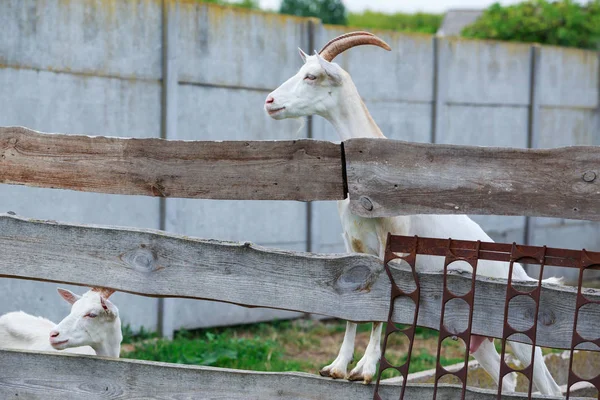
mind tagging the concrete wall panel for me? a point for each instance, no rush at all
(233, 47)
(485, 72)
(95, 37)
(569, 77)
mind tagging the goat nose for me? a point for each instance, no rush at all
(269, 100)
(54, 333)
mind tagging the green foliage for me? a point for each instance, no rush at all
(329, 11)
(562, 23)
(130, 337)
(419, 22)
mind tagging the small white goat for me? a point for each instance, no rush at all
(92, 327)
(323, 88)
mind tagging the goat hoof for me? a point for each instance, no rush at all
(337, 374)
(357, 376)
(354, 377)
(332, 373)
(367, 379)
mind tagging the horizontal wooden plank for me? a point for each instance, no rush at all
(384, 178)
(65, 376)
(251, 170)
(393, 177)
(352, 287)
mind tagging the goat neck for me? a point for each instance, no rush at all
(111, 345)
(351, 119)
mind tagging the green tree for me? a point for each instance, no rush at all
(561, 22)
(329, 11)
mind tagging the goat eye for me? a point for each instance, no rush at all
(310, 77)
(90, 315)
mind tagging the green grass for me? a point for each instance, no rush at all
(219, 349)
(130, 337)
(257, 347)
(301, 345)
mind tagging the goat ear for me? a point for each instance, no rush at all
(303, 55)
(69, 296)
(330, 69)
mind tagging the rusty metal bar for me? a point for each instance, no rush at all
(471, 252)
(490, 251)
(395, 293)
(532, 255)
(587, 260)
(465, 335)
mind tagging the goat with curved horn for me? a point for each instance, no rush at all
(323, 88)
(346, 41)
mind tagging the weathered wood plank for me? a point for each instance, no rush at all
(351, 287)
(65, 376)
(393, 177)
(250, 170)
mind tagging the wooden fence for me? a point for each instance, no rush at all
(379, 176)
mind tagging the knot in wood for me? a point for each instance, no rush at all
(366, 203)
(546, 317)
(589, 176)
(356, 278)
(142, 259)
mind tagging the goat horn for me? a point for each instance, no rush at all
(349, 40)
(104, 292)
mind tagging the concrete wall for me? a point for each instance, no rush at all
(569, 103)
(96, 67)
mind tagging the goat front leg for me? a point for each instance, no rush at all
(337, 369)
(543, 380)
(367, 366)
(489, 359)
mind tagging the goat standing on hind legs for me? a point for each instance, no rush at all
(323, 88)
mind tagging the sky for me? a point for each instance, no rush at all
(410, 6)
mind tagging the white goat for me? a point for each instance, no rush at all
(92, 327)
(323, 88)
